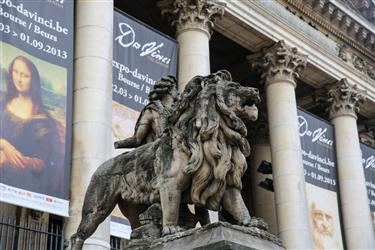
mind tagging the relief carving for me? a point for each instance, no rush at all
(371, 71)
(358, 63)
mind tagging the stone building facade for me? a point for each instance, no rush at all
(314, 54)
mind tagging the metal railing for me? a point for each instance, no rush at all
(30, 235)
(115, 243)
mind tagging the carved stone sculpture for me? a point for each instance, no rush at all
(198, 159)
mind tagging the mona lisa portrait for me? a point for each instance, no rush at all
(31, 140)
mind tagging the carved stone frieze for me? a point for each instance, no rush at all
(192, 14)
(343, 52)
(371, 71)
(281, 62)
(344, 99)
(358, 63)
(366, 130)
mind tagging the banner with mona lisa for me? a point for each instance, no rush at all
(36, 60)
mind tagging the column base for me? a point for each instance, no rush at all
(96, 244)
(218, 236)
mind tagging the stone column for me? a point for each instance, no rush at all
(281, 65)
(194, 20)
(262, 200)
(345, 100)
(92, 98)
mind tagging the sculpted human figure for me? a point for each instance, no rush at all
(199, 159)
(152, 120)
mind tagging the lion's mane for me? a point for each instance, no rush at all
(213, 136)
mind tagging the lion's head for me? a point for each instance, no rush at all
(209, 123)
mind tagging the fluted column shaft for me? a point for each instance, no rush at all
(194, 20)
(281, 65)
(92, 99)
(355, 209)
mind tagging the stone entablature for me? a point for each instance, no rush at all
(349, 56)
(338, 20)
(277, 23)
(366, 8)
(351, 30)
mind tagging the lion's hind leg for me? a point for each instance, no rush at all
(101, 197)
(234, 205)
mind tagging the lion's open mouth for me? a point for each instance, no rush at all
(248, 110)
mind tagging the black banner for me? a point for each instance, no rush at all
(368, 161)
(318, 152)
(140, 57)
(319, 161)
(35, 96)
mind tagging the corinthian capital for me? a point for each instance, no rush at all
(345, 99)
(192, 14)
(281, 63)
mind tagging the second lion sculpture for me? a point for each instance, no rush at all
(199, 159)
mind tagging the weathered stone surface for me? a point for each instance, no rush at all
(199, 158)
(281, 63)
(345, 99)
(197, 14)
(219, 235)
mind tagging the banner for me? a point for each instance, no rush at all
(368, 161)
(319, 161)
(36, 62)
(120, 227)
(141, 56)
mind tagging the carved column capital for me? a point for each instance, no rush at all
(345, 99)
(192, 14)
(281, 63)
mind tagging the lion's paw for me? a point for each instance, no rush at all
(258, 223)
(246, 222)
(167, 230)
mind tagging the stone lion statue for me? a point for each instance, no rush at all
(198, 159)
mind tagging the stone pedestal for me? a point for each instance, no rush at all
(218, 236)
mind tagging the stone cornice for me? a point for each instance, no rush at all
(339, 21)
(281, 63)
(192, 14)
(345, 99)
